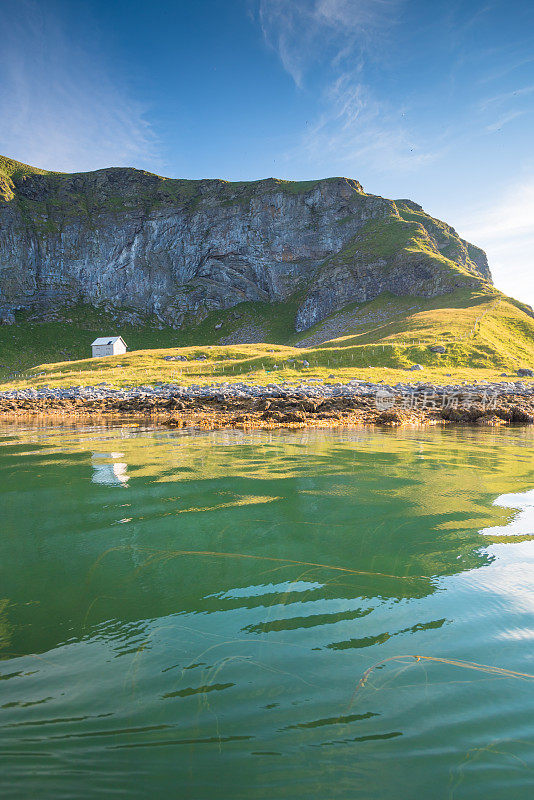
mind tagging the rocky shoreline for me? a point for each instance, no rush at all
(312, 403)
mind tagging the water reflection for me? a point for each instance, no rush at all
(206, 626)
(111, 474)
(351, 518)
(521, 523)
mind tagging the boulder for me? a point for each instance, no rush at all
(525, 373)
(390, 417)
(437, 348)
(521, 416)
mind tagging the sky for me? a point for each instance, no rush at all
(420, 99)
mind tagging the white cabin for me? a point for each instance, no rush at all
(108, 346)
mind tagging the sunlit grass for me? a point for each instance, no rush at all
(484, 333)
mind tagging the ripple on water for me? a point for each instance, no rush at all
(197, 611)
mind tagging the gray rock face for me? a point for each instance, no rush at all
(125, 239)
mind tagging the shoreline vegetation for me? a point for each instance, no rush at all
(273, 406)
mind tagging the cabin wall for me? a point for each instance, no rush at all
(102, 350)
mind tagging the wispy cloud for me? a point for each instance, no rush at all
(353, 125)
(501, 71)
(505, 97)
(500, 122)
(61, 106)
(304, 31)
(355, 129)
(501, 109)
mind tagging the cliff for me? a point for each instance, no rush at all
(121, 238)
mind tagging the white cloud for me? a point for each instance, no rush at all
(61, 106)
(505, 229)
(354, 127)
(305, 31)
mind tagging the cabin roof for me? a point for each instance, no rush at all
(102, 340)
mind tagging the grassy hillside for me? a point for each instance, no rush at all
(396, 240)
(10, 170)
(67, 336)
(479, 329)
(484, 333)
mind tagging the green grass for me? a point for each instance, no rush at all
(381, 238)
(259, 364)
(485, 334)
(10, 170)
(28, 343)
(449, 244)
(484, 330)
(396, 241)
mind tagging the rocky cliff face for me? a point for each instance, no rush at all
(125, 239)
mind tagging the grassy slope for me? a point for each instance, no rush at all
(389, 239)
(28, 343)
(451, 247)
(485, 334)
(480, 329)
(10, 169)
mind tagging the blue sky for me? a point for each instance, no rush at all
(428, 100)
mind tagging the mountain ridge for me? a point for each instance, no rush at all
(130, 241)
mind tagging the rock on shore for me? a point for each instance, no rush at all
(311, 403)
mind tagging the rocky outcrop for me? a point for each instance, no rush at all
(125, 239)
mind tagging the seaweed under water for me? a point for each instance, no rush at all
(268, 615)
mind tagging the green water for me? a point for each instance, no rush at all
(188, 615)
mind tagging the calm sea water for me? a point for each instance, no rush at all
(189, 615)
